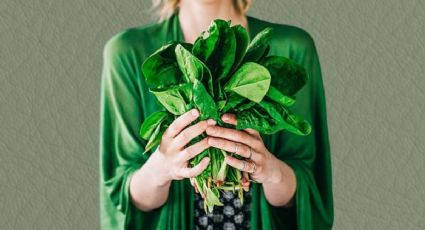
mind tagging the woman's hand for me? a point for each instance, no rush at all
(277, 178)
(149, 186)
(172, 152)
(248, 144)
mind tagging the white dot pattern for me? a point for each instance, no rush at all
(232, 215)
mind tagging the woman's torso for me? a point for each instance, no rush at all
(143, 41)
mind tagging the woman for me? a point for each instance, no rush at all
(152, 192)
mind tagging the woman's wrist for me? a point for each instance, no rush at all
(157, 169)
(281, 179)
(149, 185)
(275, 170)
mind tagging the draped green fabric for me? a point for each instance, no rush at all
(126, 102)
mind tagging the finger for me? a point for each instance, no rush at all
(230, 146)
(180, 123)
(233, 135)
(253, 132)
(231, 119)
(196, 170)
(239, 164)
(195, 149)
(185, 136)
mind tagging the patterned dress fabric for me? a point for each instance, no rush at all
(231, 216)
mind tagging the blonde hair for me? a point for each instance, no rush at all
(165, 8)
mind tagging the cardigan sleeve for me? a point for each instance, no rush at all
(125, 103)
(120, 147)
(308, 156)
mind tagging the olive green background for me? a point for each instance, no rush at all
(371, 52)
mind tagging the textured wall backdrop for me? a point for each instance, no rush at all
(50, 66)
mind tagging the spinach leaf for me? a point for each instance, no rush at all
(251, 80)
(152, 121)
(211, 198)
(217, 49)
(221, 64)
(291, 122)
(259, 47)
(242, 41)
(244, 106)
(269, 118)
(257, 118)
(156, 135)
(193, 68)
(206, 43)
(204, 102)
(232, 101)
(265, 54)
(176, 98)
(160, 68)
(287, 76)
(275, 95)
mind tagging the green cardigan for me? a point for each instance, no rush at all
(126, 101)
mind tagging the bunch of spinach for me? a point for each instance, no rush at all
(223, 71)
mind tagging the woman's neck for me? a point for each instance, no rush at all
(196, 15)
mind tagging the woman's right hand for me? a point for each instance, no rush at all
(172, 152)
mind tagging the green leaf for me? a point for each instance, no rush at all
(151, 122)
(287, 76)
(206, 43)
(244, 106)
(258, 119)
(251, 81)
(232, 101)
(221, 104)
(217, 159)
(211, 199)
(265, 53)
(224, 55)
(221, 175)
(160, 68)
(175, 99)
(275, 95)
(198, 158)
(242, 41)
(291, 122)
(193, 68)
(204, 102)
(159, 129)
(154, 139)
(259, 46)
(217, 48)
(269, 118)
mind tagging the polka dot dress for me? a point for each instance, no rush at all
(232, 215)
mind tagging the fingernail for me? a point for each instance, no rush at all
(194, 112)
(211, 122)
(207, 159)
(225, 117)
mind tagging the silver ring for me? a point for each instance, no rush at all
(236, 147)
(250, 153)
(244, 165)
(254, 167)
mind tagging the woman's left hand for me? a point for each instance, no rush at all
(248, 144)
